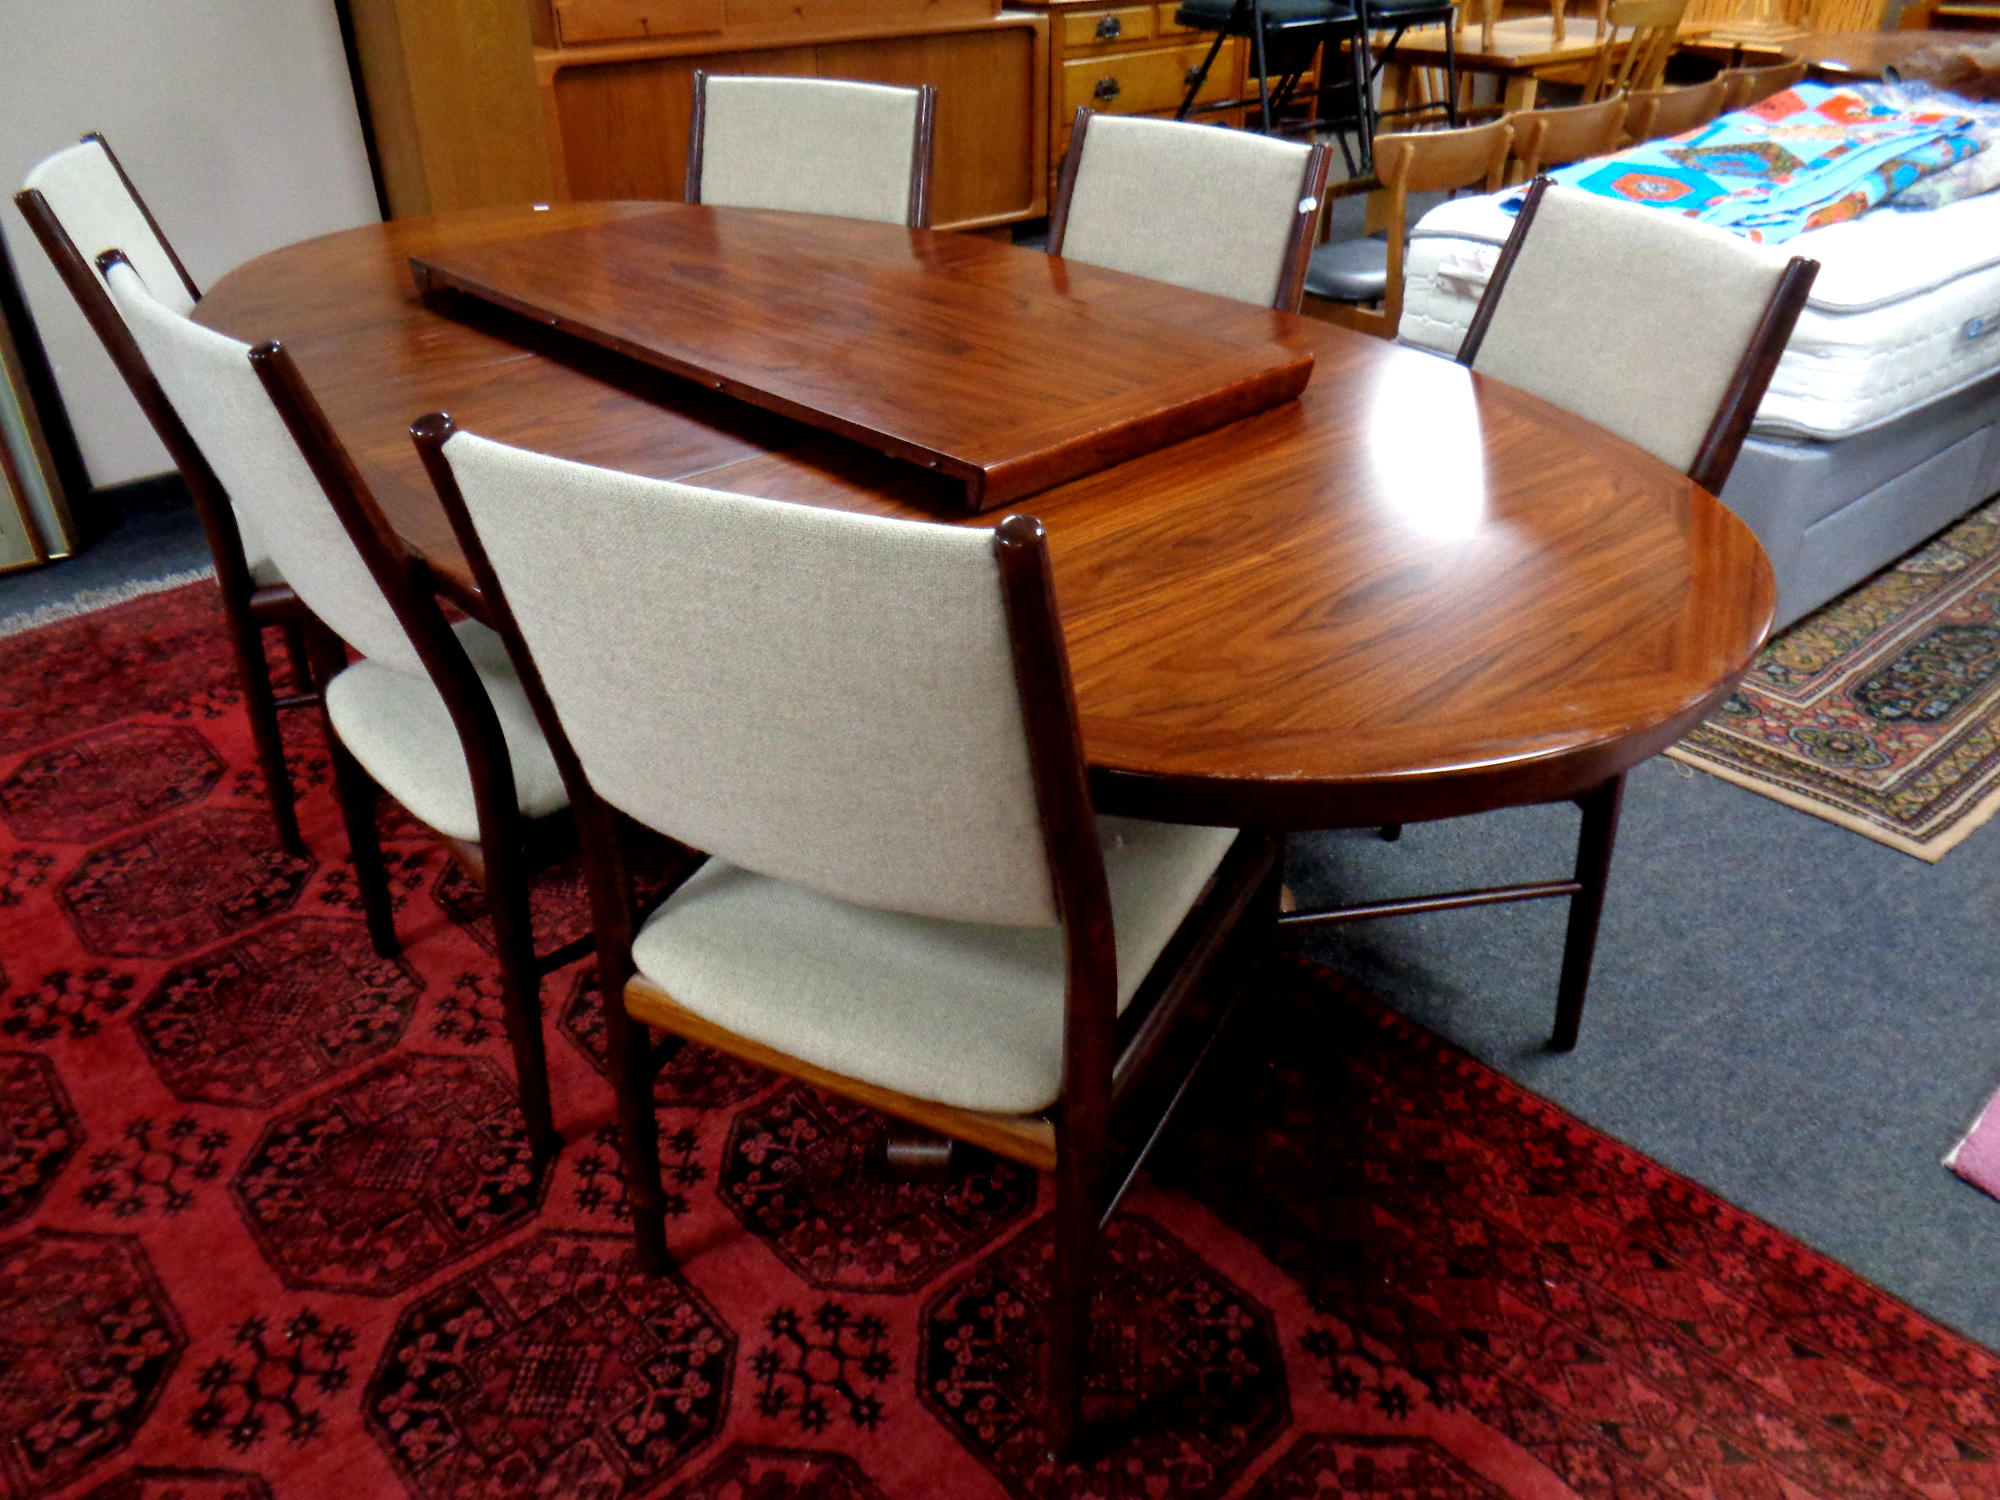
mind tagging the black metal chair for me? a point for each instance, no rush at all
(1285, 36)
(1398, 17)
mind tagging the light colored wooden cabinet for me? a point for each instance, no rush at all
(480, 102)
(1130, 60)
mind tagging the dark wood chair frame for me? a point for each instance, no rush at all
(505, 855)
(1106, 1056)
(1599, 831)
(247, 608)
(1305, 219)
(922, 158)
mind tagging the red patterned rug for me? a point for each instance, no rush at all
(268, 1224)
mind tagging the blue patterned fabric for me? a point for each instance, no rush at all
(1802, 159)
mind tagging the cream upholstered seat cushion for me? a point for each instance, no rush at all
(967, 1014)
(1195, 205)
(396, 724)
(1634, 318)
(810, 145)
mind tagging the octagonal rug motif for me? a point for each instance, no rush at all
(39, 1132)
(146, 1483)
(375, 1185)
(87, 1341)
(804, 1172)
(275, 1013)
(181, 884)
(748, 1472)
(107, 781)
(556, 1368)
(1185, 1368)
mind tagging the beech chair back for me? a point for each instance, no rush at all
(1223, 211)
(1639, 60)
(1660, 329)
(1556, 137)
(1417, 161)
(1743, 87)
(1658, 113)
(813, 145)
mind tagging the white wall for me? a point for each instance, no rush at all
(236, 120)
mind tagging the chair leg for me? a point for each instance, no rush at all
(629, 1052)
(521, 994)
(1257, 59)
(1076, 1231)
(1593, 872)
(295, 649)
(358, 795)
(260, 704)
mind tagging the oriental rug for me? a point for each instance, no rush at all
(269, 1226)
(1881, 711)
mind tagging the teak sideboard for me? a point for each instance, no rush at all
(478, 103)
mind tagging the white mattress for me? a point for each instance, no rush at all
(1906, 308)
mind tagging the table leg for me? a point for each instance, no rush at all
(1519, 92)
(1593, 873)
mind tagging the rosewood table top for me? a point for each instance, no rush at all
(1020, 390)
(1413, 592)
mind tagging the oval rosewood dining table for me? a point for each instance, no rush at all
(1411, 593)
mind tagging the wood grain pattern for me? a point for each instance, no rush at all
(451, 91)
(1412, 593)
(1008, 372)
(618, 115)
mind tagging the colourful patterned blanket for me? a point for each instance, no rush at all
(1803, 159)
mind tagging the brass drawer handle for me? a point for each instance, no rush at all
(1109, 27)
(1107, 89)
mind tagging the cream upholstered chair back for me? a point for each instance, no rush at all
(823, 698)
(209, 379)
(812, 145)
(1635, 318)
(1223, 211)
(98, 210)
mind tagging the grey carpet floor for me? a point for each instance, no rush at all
(1794, 1016)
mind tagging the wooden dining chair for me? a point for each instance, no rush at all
(1638, 59)
(1359, 282)
(1743, 87)
(812, 145)
(1223, 211)
(79, 203)
(1664, 332)
(1556, 137)
(909, 901)
(430, 712)
(1655, 114)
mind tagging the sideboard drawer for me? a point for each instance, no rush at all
(1082, 29)
(579, 21)
(1138, 83)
